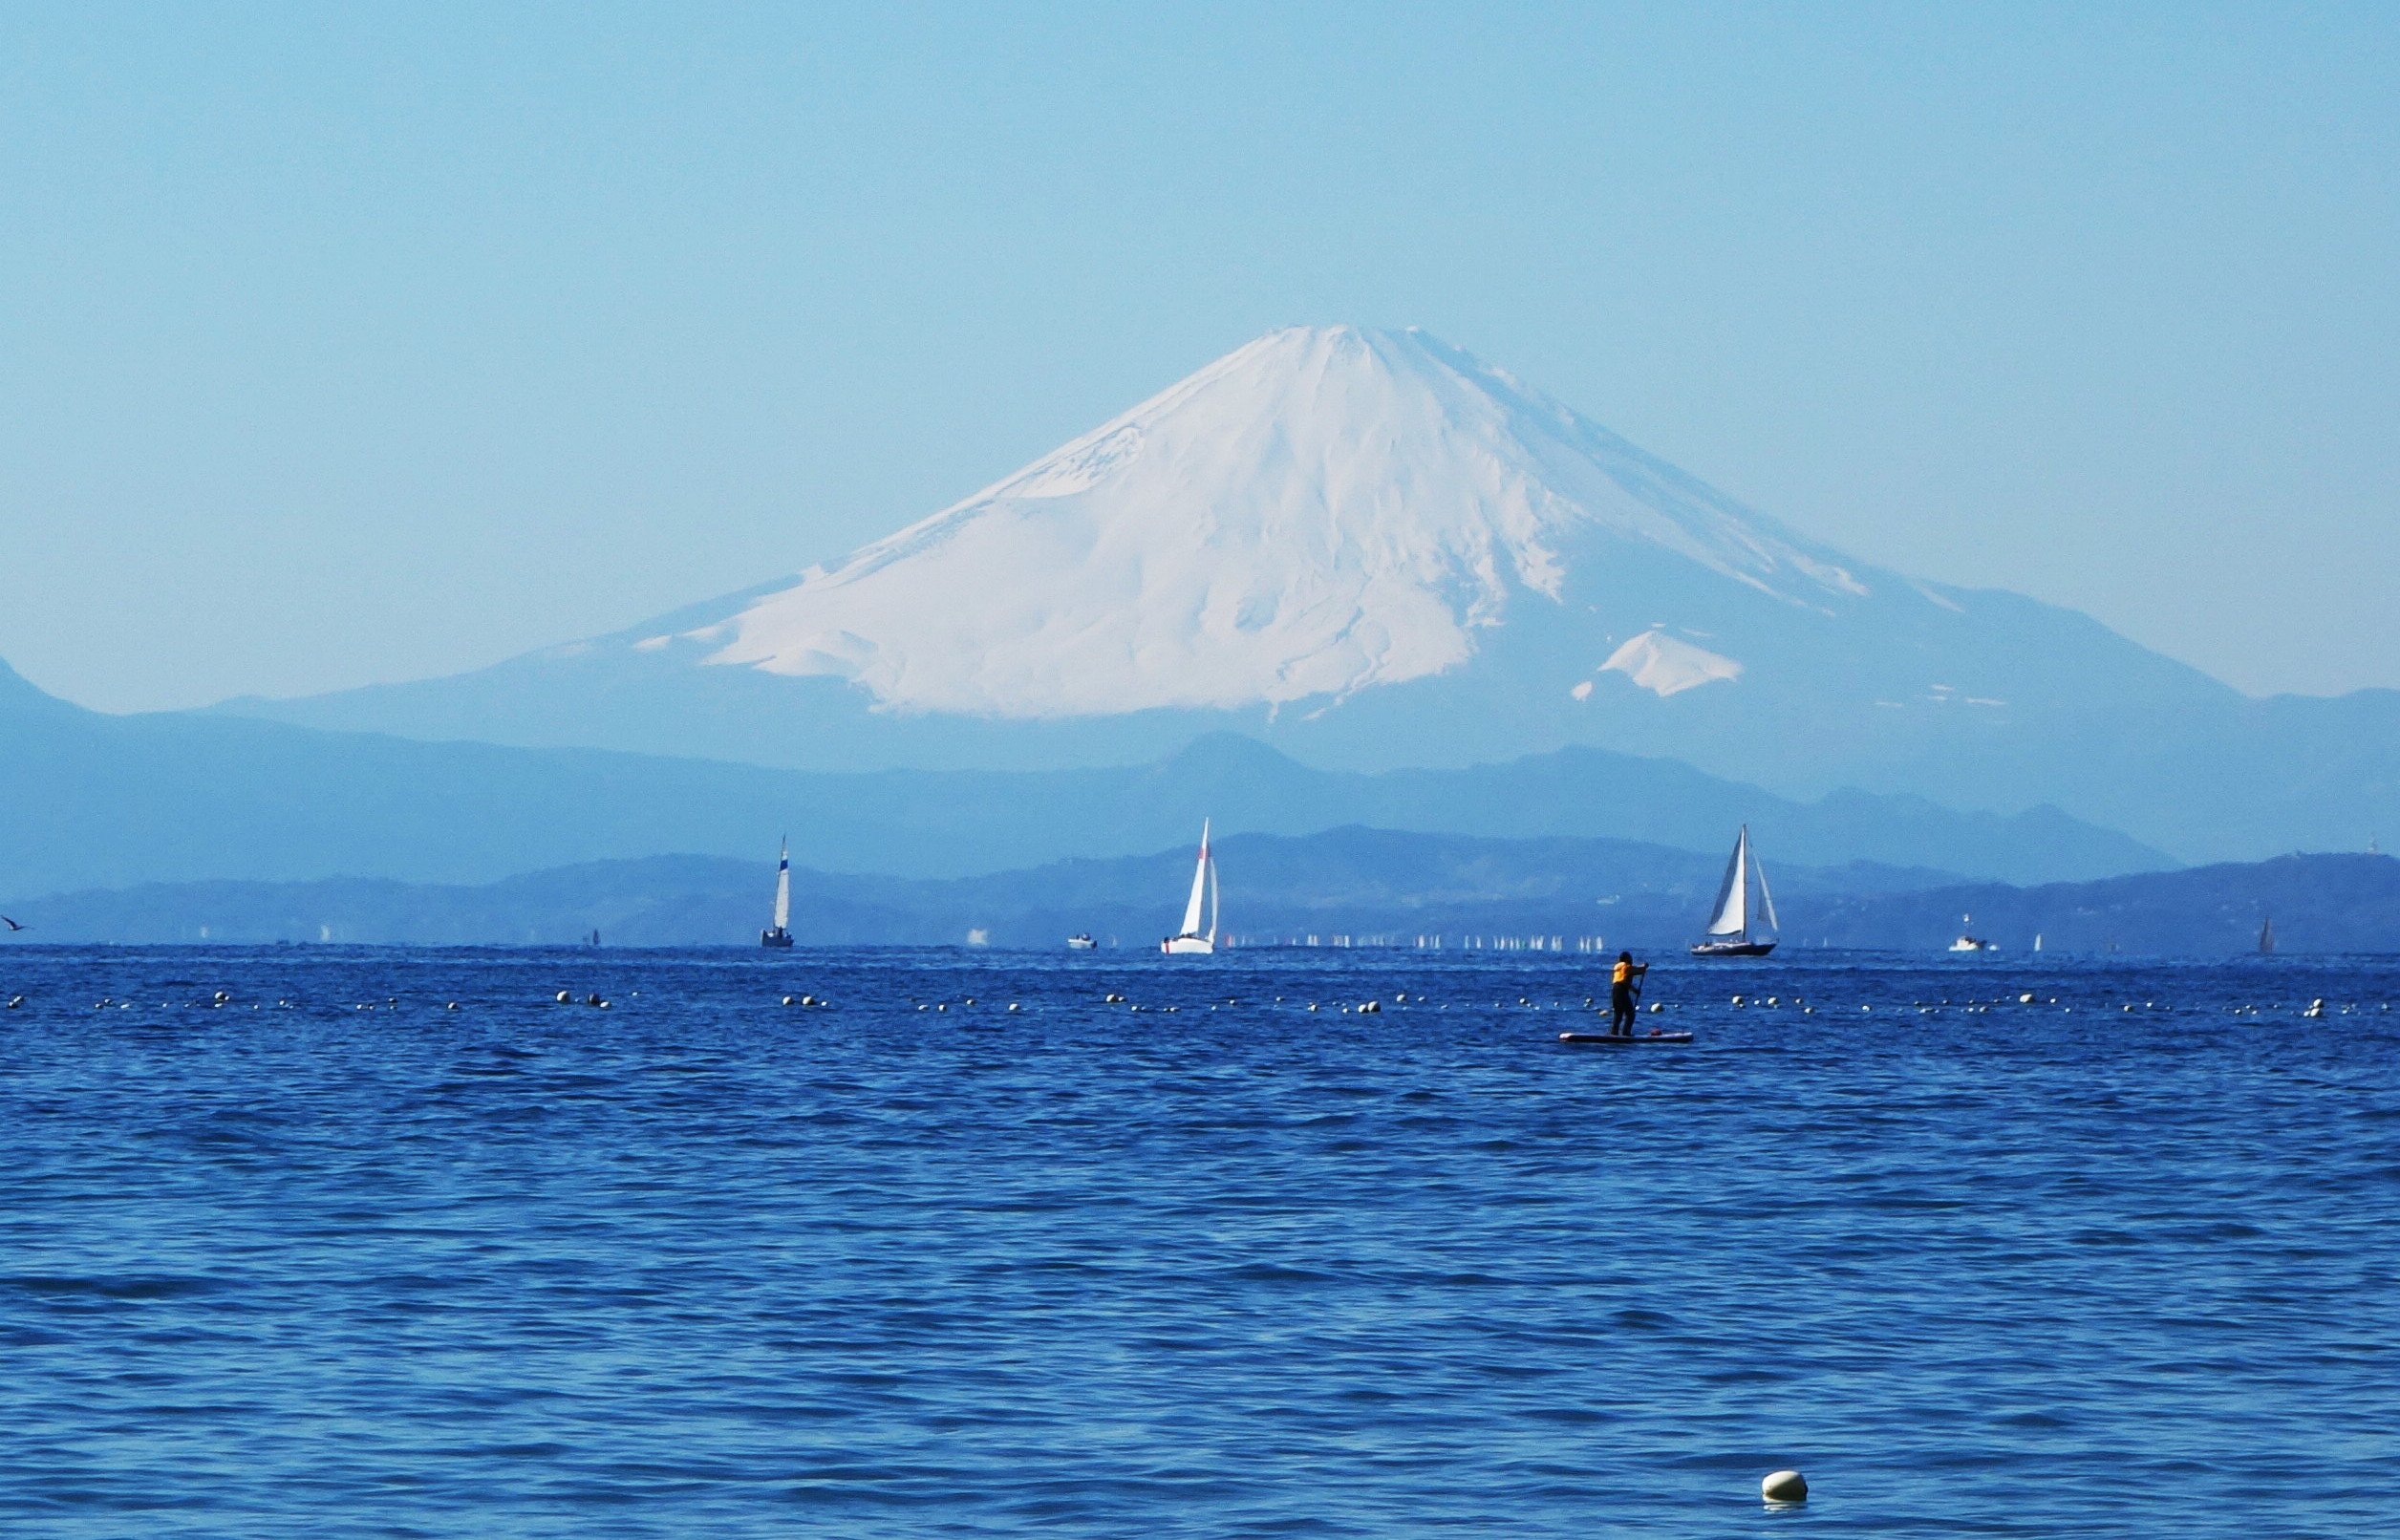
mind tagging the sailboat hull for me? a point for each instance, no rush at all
(775, 938)
(1187, 946)
(1732, 949)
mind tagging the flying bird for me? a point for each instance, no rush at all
(11, 924)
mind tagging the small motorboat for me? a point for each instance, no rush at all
(1081, 941)
(1967, 942)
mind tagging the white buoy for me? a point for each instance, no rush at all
(787, 999)
(562, 996)
(1656, 1007)
(1784, 1486)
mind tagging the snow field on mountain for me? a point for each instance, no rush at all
(1322, 511)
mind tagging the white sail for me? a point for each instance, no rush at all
(1733, 895)
(1199, 888)
(1765, 900)
(1212, 897)
(783, 889)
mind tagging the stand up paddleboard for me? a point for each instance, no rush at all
(1652, 1036)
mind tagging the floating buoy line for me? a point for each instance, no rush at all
(2316, 1008)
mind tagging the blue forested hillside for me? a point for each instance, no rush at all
(92, 801)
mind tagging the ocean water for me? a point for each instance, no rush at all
(333, 1259)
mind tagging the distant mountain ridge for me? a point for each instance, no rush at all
(1334, 880)
(2343, 903)
(94, 801)
(1375, 551)
(1355, 886)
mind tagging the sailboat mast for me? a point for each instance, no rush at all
(784, 888)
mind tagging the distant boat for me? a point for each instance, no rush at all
(1081, 941)
(1971, 943)
(782, 933)
(2266, 936)
(1729, 927)
(1192, 939)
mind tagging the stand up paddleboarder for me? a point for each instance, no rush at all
(1624, 992)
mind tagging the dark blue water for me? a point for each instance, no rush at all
(699, 1264)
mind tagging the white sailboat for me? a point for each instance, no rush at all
(782, 934)
(1192, 939)
(1729, 925)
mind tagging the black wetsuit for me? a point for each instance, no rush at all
(1621, 1009)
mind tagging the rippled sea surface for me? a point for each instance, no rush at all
(1204, 1262)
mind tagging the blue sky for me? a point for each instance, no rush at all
(354, 343)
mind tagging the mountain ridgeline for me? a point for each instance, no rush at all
(91, 800)
(1342, 886)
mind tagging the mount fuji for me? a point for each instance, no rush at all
(1374, 550)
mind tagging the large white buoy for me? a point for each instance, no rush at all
(1784, 1486)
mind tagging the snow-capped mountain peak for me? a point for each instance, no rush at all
(1322, 511)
